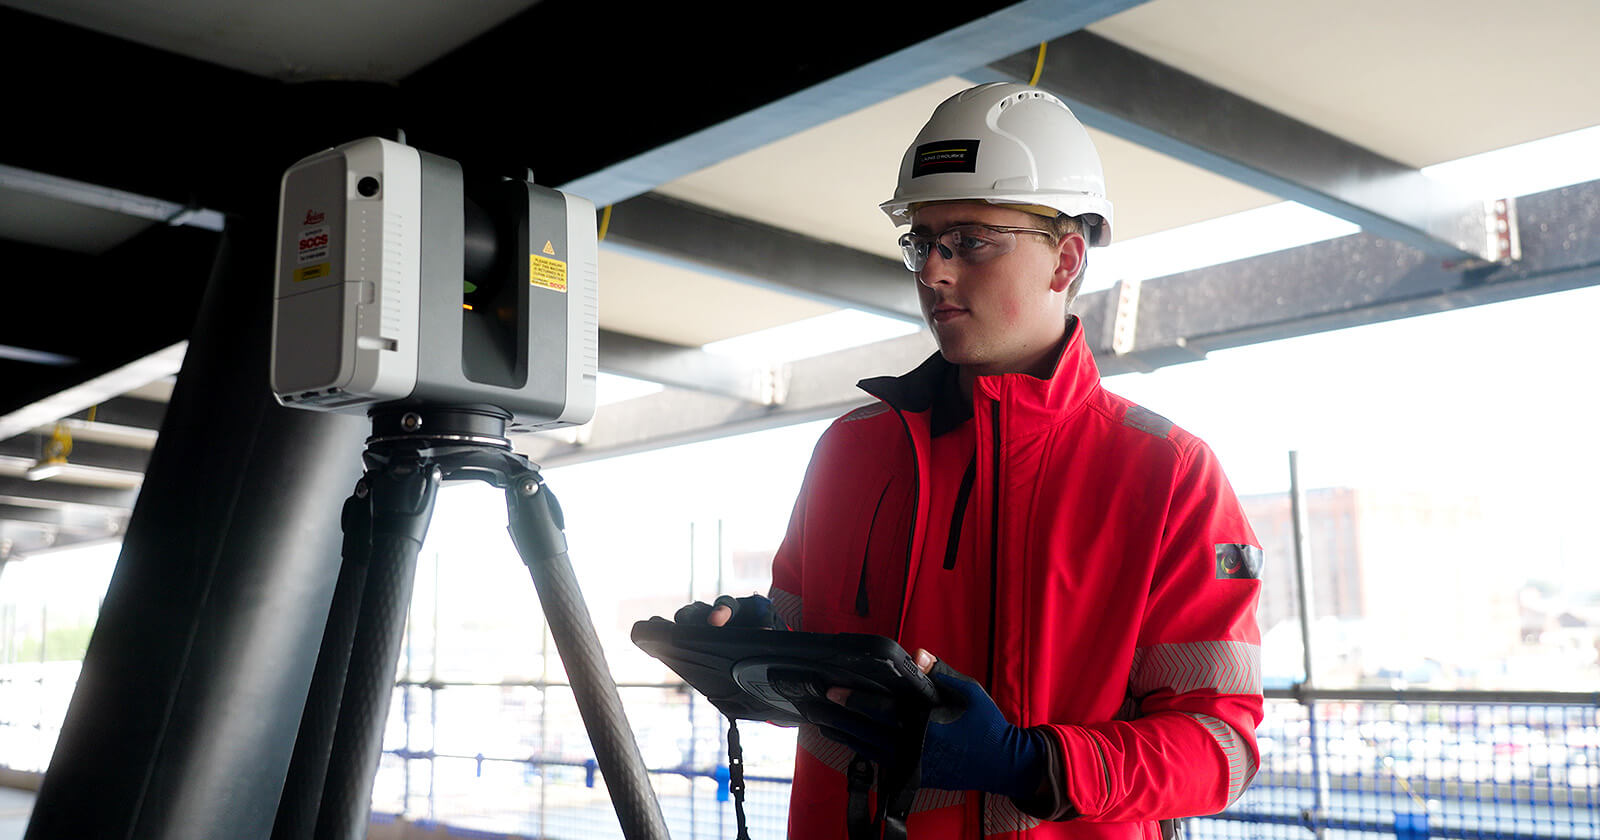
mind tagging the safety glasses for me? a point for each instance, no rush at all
(972, 244)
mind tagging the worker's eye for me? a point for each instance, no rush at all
(969, 241)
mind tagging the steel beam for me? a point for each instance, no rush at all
(54, 493)
(100, 390)
(1135, 97)
(128, 411)
(63, 522)
(691, 368)
(1345, 282)
(107, 198)
(819, 388)
(31, 515)
(85, 453)
(704, 240)
(936, 56)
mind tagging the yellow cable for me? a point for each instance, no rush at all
(1038, 66)
(605, 221)
(60, 445)
(92, 410)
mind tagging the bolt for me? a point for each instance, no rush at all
(362, 489)
(411, 421)
(529, 487)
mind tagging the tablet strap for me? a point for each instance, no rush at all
(859, 780)
(736, 777)
(898, 780)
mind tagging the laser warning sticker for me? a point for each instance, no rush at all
(547, 273)
(945, 156)
(1236, 561)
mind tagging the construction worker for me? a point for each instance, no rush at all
(1072, 570)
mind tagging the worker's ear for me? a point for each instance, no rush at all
(1070, 253)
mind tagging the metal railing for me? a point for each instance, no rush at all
(1335, 764)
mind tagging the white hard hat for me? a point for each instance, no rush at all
(1005, 143)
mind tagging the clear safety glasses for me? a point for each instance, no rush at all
(971, 244)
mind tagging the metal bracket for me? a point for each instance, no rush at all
(1504, 240)
(1126, 321)
(772, 384)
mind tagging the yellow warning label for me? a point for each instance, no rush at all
(547, 273)
(549, 249)
(311, 272)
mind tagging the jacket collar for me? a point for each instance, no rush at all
(1076, 376)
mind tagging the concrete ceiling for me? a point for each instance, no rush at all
(139, 113)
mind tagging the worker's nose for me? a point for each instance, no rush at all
(938, 270)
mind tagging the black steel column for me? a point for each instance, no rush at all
(185, 715)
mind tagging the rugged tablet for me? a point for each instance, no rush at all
(775, 675)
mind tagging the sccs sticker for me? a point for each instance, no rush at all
(313, 245)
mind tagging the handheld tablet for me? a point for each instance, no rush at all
(774, 675)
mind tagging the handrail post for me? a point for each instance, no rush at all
(1303, 589)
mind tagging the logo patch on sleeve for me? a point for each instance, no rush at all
(945, 156)
(1236, 561)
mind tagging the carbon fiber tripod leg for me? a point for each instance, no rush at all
(308, 770)
(402, 495)
(535, 525)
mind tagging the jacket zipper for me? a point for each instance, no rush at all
(994, 565)
(954, 542)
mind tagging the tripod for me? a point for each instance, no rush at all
(327, 794)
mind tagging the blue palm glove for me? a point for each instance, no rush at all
(971, 746)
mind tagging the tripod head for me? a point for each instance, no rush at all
(466, 442)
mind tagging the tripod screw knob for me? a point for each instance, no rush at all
(529, 487)
(411, 421)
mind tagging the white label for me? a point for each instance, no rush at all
(313, 245)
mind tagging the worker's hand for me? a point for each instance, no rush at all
(728, 611)
(971, 746)
(865, 721)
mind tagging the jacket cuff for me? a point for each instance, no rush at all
(1085, 771)
(1051, 802)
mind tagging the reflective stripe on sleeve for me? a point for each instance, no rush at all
(1224, 667)
(1241, 763)
(1001, 816)
(787, 606)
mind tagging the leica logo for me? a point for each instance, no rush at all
(314, 217)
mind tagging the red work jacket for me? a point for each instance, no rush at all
(1125, 582)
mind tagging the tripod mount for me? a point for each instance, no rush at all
(413, 448)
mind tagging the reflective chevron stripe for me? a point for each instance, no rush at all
(836, 757)
(1000, 816)
(928, 799)
(787, 606)
(1241, 763)
(1224, 667)
(833, 755)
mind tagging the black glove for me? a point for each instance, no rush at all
(749, 611)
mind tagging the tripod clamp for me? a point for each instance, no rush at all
(411, 451)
